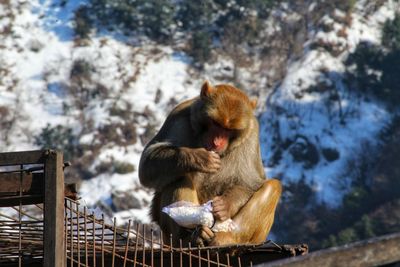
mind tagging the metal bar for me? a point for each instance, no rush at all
(136, 245)
(71, 229)
(127, 242)
(199, 254)
(114, 241)
(239, 261)
(144, 245)
(8, 217)
(78, 230)
(65, 230)
(190, 254)
(161, 250)
(39, 207)
(20, 219)
(102, 240)
(54, 210)
(27, 215)
(208, 258)
(172, 251)
(218, 258)
(94, 239)
(180, 253)
(86, 241)
(228, 260)
(152, 249)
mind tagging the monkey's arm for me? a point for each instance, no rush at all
(163, 163)
(170, 154)
(157, 165)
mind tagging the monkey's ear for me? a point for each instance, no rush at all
(206, 90)
(253, 102)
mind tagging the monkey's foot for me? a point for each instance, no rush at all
(202, 236)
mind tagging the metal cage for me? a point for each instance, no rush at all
(39, 226)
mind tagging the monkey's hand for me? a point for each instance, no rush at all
(199, 159)
(202, 236)
(221, 208)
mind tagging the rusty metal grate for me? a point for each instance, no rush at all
(21, 234)
(21, 226)
(31, 208)
(41, 227)
(92, 242)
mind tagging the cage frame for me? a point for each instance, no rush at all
(72, 236)
(51, 194)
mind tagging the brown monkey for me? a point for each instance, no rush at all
(208, 149)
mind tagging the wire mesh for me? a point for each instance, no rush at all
(87, 238)
(90, 241)
(21, 226)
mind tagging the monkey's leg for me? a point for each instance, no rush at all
(182, 190)
(255, 218)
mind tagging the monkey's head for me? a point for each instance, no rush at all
(224, 117)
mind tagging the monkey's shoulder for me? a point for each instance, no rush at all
(177, 127)
(183, 109)
(180, 114)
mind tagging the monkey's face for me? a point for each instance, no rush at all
(227, 115)
(216, 137)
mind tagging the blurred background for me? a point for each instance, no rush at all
(96, 78)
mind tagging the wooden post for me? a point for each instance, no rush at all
(54, 210)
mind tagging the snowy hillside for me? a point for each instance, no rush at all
(37, 59)
(322, 125)
(102, 97)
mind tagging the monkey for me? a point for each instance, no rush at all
(208, 149)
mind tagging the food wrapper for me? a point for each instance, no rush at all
(190, 215)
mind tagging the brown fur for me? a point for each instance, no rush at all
(176, 164)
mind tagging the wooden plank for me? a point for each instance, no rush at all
(377, 251)
(23, 157)
(10, 201)
(32, 183)
(54, 211)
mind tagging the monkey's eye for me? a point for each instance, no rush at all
(234, 134)
(217, 125)
(214, 123)
(210, 122)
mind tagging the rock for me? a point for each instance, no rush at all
(304, 151)
(124, 201)
(330, 154)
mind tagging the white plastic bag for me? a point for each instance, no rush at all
(190, 215)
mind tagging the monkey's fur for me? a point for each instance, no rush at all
(208, 149)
